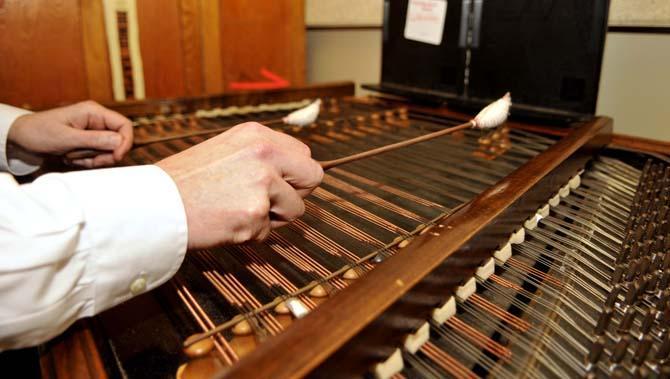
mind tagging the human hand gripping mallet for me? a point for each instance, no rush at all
(490, 117)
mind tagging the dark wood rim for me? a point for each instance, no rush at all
(642, 144)
(73, 355)
(312, 339)
(239, 98)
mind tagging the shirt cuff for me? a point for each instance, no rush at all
(13, 158)
(135, 227)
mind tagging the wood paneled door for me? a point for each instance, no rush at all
(58, 51)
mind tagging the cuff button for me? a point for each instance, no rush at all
(138, 286)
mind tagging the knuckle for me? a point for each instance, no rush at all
(252, 128)
(306, 150)
(300, 210)
(242, 236)
(89, 104)
(318, 174)
(102, 139)
(259, 211)
(262, 150)
(265, 176)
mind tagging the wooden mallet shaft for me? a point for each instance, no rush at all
(380, 150)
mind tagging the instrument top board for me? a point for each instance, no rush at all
(371, 234)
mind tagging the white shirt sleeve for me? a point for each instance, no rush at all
(13, 158)
(75, 244)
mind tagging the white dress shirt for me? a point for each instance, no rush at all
(75, 244)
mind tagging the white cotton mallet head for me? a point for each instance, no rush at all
(304, 116)
(494, 114)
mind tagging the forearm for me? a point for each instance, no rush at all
(73, 245)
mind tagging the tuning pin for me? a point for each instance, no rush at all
(665, 278)
(664, 230)
(632, 269)
(626, 321)
(651, 284)
(662, 214)
(624, 255)
(658, 245)
(603, 321)
(665, 318)
(613, 297)
(642, 350)
(645, 263)
(594, 354)
(648, 321)
(663, 300)
(619, 351)
(639, 232)
(644, 282)
(651, 228)
(664, 350)
(631, 295)
(657, 261)
(634, 250)
(617, 275)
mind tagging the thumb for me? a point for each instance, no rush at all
(95, 139)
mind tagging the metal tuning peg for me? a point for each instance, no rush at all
(642, 350)
(626, 321)
(648, 321)
(620, 349)
(603, 321)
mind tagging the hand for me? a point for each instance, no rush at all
(239, 185)
(85, 125)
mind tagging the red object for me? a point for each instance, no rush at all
(274, 81)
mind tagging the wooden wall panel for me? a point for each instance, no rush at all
(42, 54)
(96, 54)
(191, 43)
(160, 44)
(55, 51)
(212, 70)
(257, 34)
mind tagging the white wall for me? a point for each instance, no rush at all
(344, 55)
(634, 86)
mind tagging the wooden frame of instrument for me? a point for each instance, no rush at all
(299, 350)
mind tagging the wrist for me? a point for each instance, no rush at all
(16, 130)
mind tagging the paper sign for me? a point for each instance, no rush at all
(425, 20)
